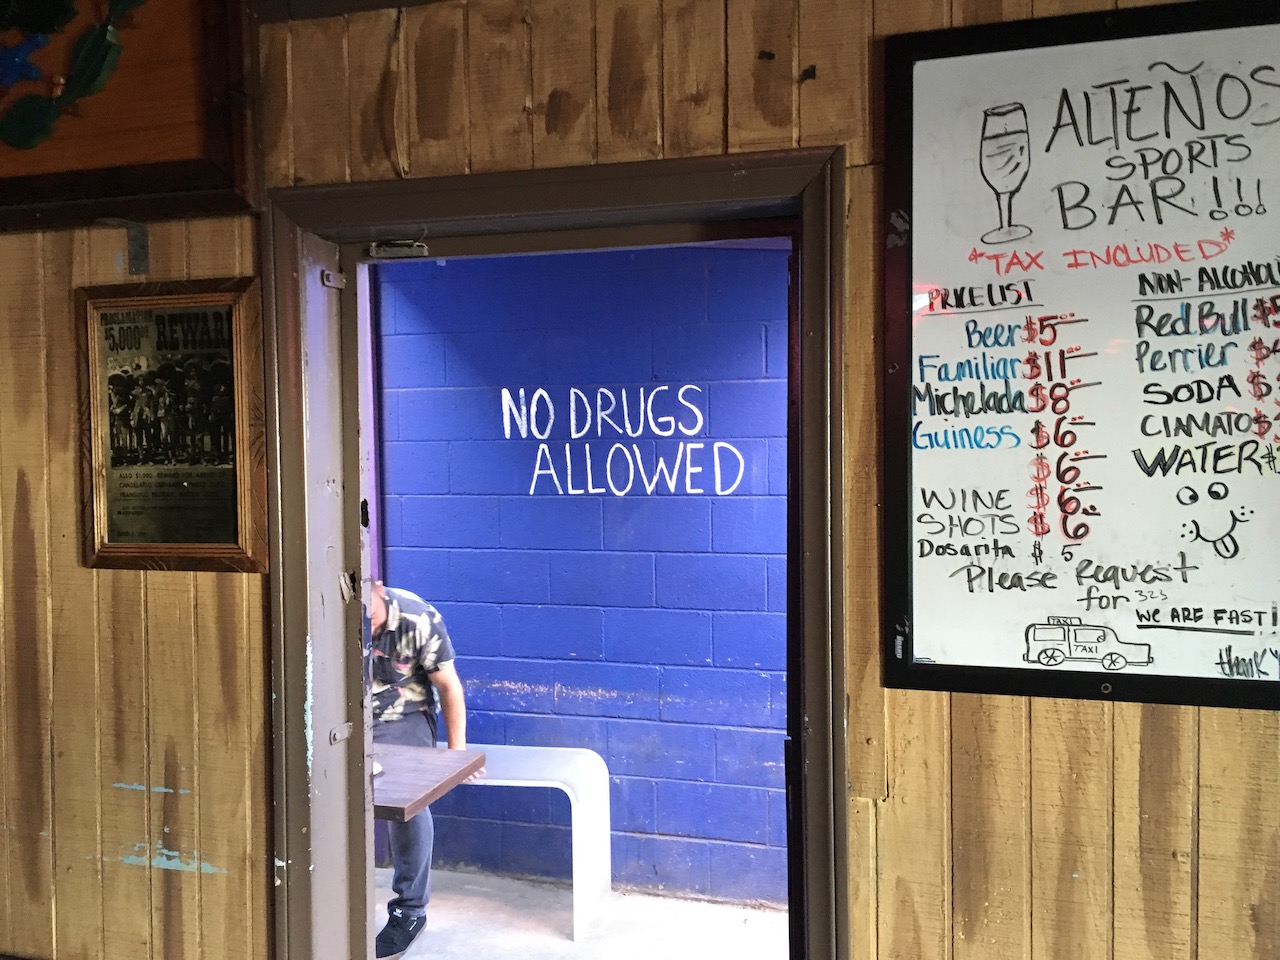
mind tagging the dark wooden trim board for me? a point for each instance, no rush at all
(274, 11)
(564, 198)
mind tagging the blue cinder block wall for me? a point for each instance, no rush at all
(584, 468)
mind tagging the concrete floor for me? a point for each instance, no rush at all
(478, 916)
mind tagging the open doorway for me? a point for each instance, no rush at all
(340, 222)
(583, 466)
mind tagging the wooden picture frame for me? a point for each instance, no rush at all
(167, 136)
(174, 440)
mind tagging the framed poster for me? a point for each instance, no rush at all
(128, 109)
(176, 470)
(1082, 378)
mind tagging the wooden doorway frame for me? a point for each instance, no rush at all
(315, 235)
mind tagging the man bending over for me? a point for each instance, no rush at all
(412, 675)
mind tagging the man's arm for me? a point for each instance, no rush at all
(453, 704)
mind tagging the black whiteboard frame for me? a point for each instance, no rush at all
(901, 54)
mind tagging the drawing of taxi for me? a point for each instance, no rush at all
(1059, 639)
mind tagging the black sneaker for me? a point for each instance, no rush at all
(401, 930)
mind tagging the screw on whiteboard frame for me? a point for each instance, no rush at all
(899, 229)
(1106, 688)
(902, 630)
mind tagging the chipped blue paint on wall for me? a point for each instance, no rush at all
(143, 788)
(584, 467)
(165, 859)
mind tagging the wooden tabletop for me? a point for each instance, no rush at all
(412, 777)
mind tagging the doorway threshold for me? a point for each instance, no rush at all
(486, 915)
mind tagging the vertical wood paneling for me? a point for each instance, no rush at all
(863, 307)
(562, 47)
(26, 711)
(103, 800)
(629, 79)
(914, 844)
(318, 101)
(1121, 832)
(438, 124)
(499, 85)
(375, 56)
(228, 663)
(10, 698)
(863, 880)
(916, 915)
(1239, 864)
(967, 12)
(1155, 811)
(693, 77)
(991, 841)
(171, 778)
(1071, 788)
(174, 776)
(127, 849)
(223, 653)
(167, 251)
(105, 261)
(8, 750)
(256, 763)
(123, 722)
(221, 247)
(77, 689)
(891, 17)
(835, 75)
(274, 76)
(1054, 8)
(762, 72)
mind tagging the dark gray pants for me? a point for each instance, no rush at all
(412, 840)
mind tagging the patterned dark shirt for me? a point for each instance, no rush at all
(412, 646)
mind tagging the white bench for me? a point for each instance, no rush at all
(582, 774)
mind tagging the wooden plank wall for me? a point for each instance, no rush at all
(132, 705)
(133, 801)
(982, 828)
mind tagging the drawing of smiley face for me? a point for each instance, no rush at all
(1225, 545)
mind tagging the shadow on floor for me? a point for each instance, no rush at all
(479, 916)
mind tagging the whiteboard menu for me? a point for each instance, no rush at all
(1083, 372)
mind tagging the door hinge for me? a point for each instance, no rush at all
(333, 279)
(398, 250)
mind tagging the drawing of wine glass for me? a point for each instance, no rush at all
(1005, 159)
